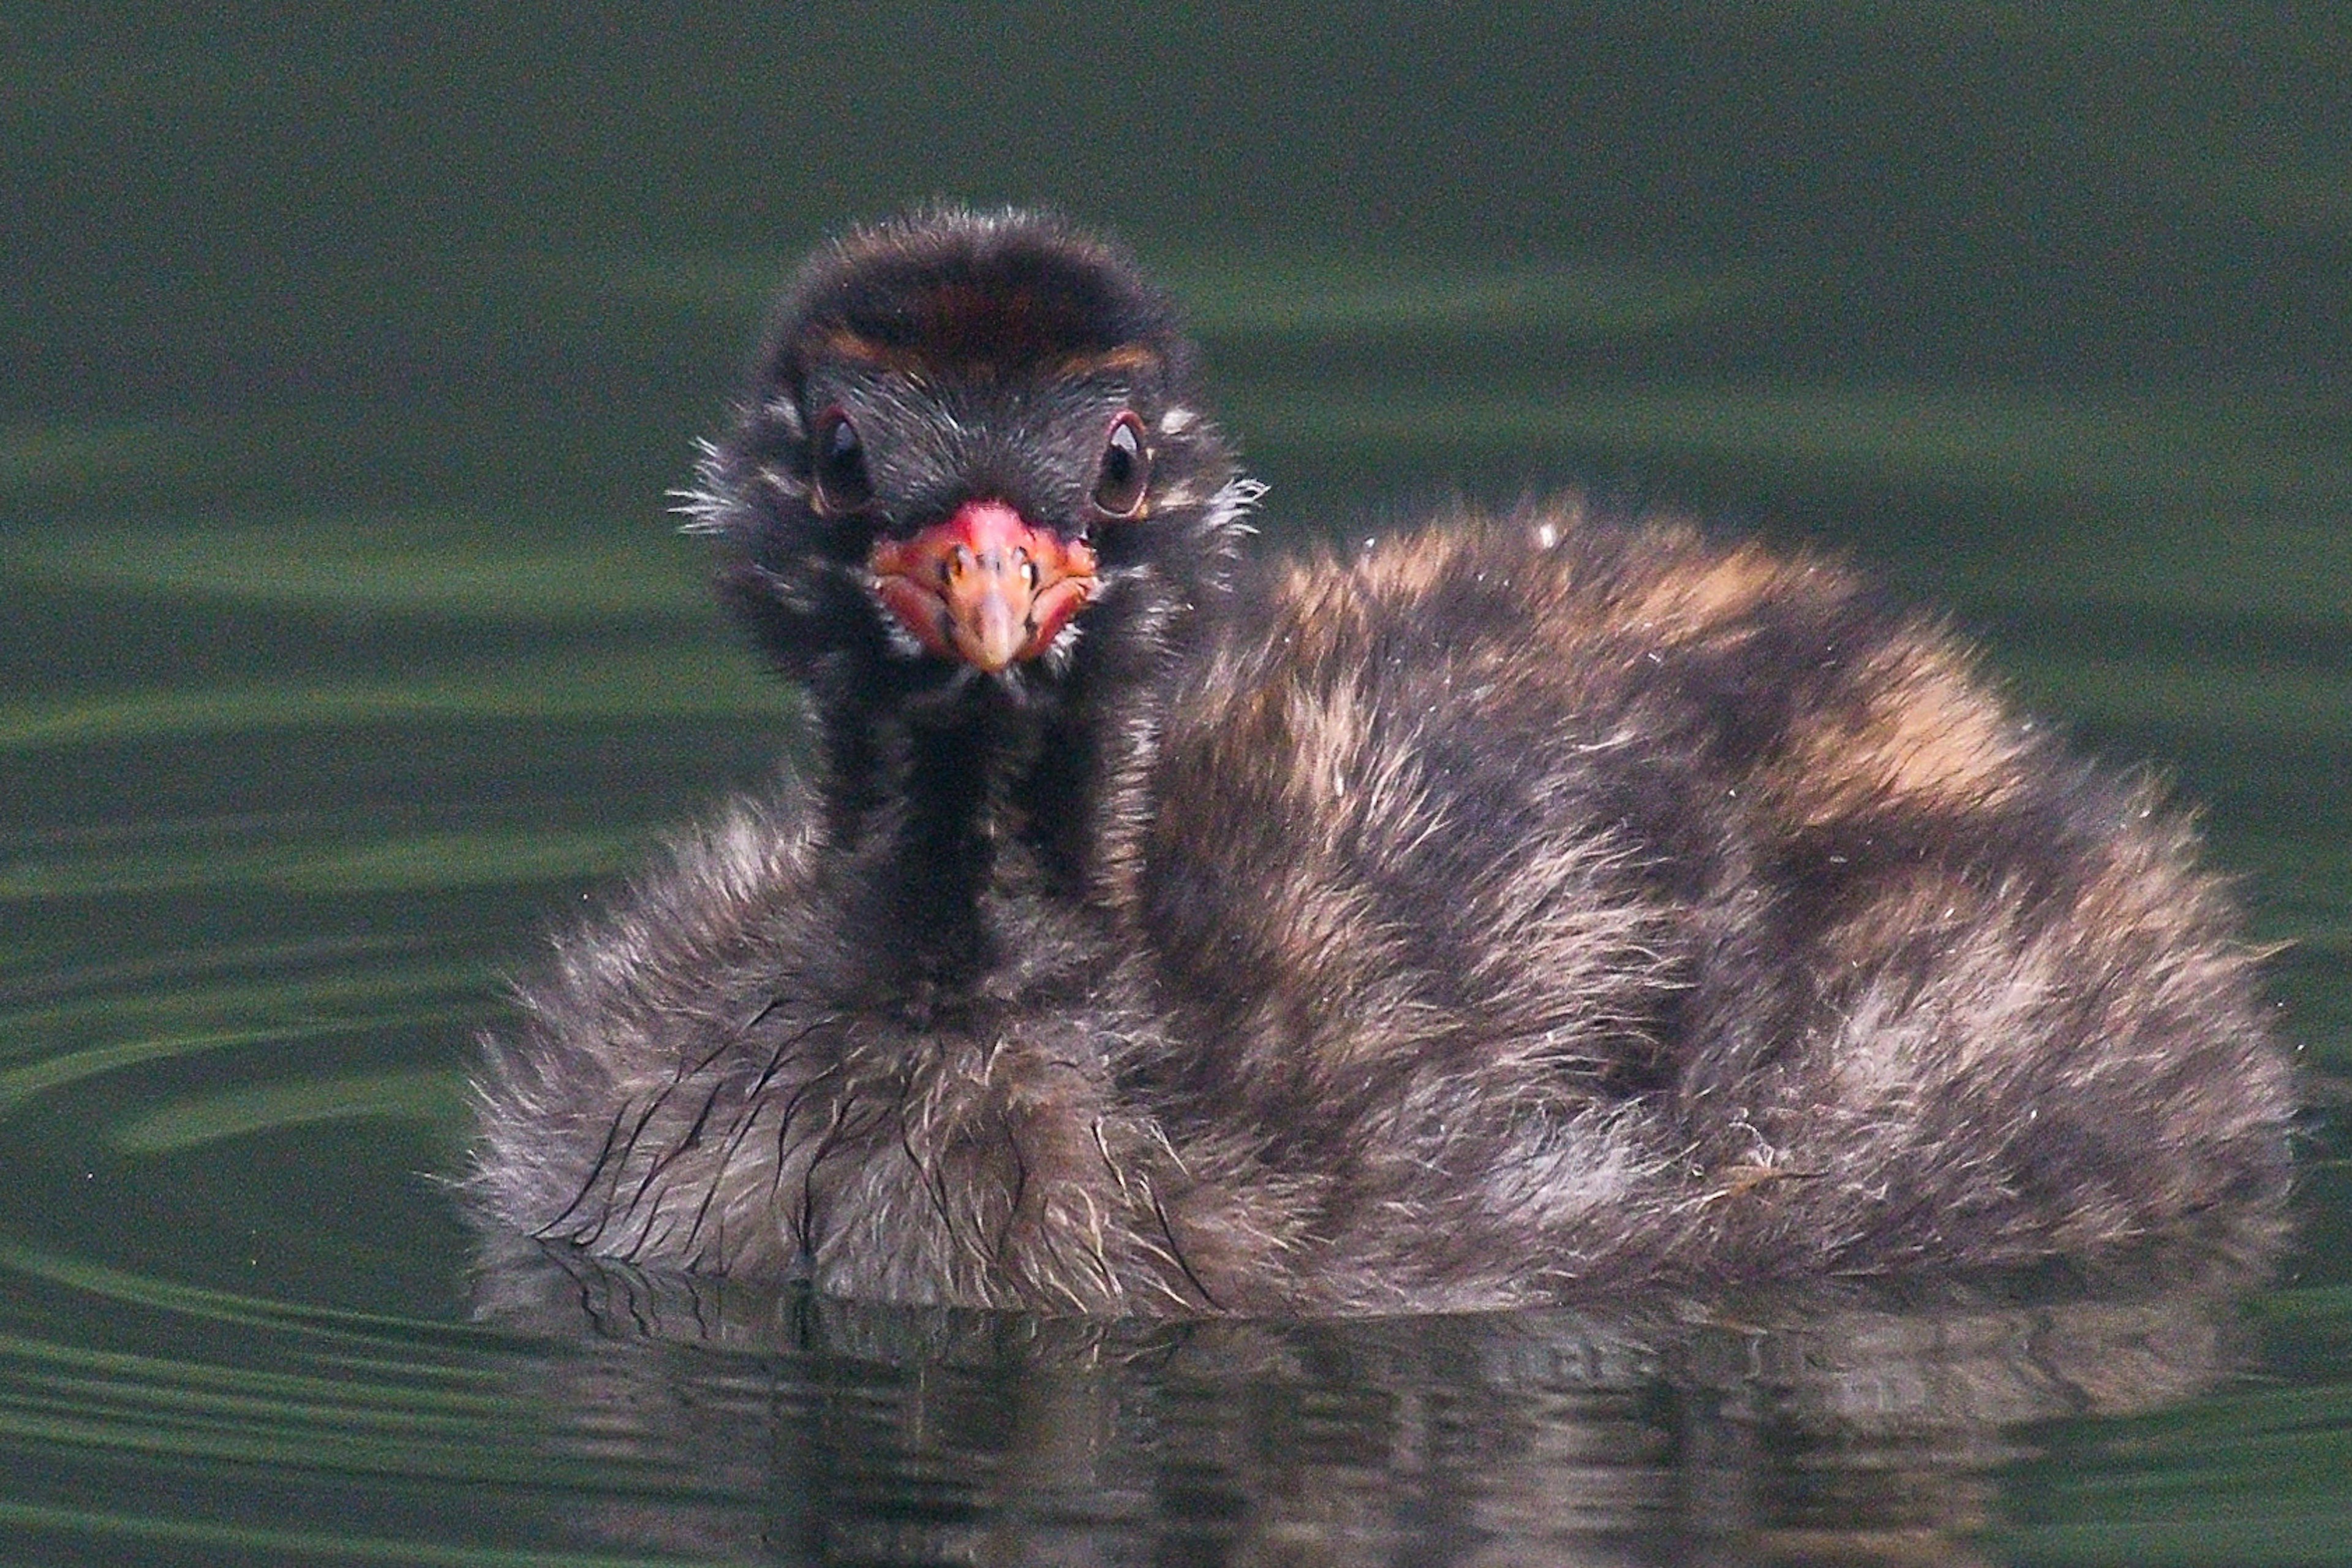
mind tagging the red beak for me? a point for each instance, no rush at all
(984, 587)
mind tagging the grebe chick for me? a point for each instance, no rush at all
(1520, 908)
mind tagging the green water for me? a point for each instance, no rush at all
(347, 648)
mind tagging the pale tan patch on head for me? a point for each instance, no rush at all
(844, 343)
(841, 343)
(1125, 359)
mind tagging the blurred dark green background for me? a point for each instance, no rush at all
(514, 250)
(346, 354)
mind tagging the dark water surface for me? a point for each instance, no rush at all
(346, 647)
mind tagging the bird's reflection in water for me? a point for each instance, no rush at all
(1845, 1426)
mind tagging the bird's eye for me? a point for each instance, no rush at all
(1126, 469)
(843, 483)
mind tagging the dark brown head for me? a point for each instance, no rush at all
(972, 444)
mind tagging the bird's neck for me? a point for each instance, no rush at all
(952, 815)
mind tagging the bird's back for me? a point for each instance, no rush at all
(1619, 903)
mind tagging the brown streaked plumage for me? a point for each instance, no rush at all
(1521, 908)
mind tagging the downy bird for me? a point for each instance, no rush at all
(1527, 906)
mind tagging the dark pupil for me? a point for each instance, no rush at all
(1120, 485)
(841, 465)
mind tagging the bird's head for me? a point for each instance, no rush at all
(972, 447)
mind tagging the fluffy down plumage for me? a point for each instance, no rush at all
(1525, 906)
